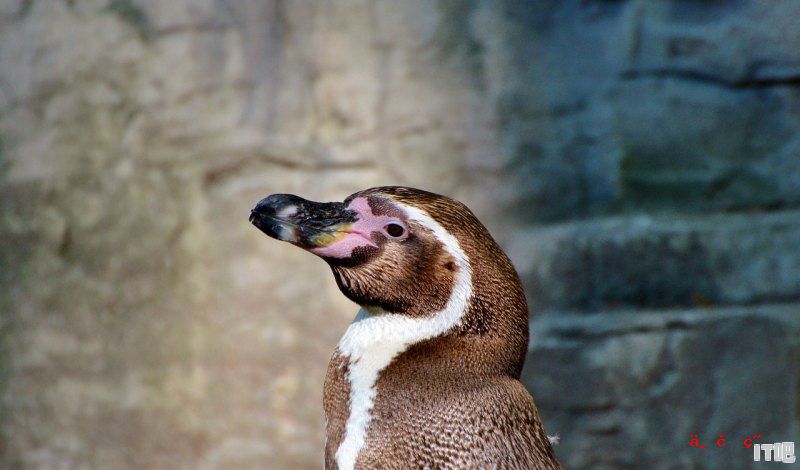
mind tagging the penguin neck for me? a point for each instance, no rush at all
(369, 345)
(481, 322)
(378, 336)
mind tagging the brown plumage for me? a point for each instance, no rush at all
(452, 400)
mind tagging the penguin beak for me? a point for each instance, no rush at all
(307, 224)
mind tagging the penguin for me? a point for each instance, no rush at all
(427, 374)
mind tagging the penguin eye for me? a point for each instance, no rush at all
(395, 230)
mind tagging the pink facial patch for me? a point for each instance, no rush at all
(358, 234)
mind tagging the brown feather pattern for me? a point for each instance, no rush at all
(453, 401)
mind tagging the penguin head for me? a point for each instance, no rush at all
(391, 249)
(419, 264)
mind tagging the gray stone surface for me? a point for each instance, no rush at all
(606, 106)
(627, 390)
(634, 157)
(660, 261)
(702, 146)
(144, 323)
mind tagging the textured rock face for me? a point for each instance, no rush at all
(631, 155)
(650, 262)
(145, 323)
(646, 381)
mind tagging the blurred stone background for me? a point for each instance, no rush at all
(639, 160)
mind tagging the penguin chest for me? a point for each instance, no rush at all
(350, 396)
(417, 413)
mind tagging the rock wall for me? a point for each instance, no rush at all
(637, 159)
(656, 148)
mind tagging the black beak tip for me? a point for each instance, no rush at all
(273, 203)
(267, 225)
(263, 215)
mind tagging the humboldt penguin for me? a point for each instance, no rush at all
(427, 375)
